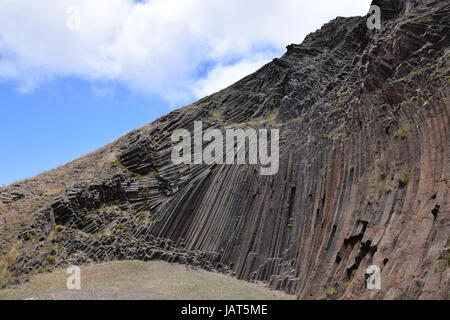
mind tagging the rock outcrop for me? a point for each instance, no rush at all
(363, 178)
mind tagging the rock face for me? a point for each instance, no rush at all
(363, 179)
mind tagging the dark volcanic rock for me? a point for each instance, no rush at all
(364, 120)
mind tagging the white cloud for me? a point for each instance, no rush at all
(224, 75)
(156, 46)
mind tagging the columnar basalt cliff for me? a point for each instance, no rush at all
(363, 179)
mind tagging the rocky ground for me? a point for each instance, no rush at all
(363, 180)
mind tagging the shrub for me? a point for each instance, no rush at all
(403, 179)
(115, 164)
(51, 259)
(145, 192)
(403, 132)
(387, 189)
(329, 292)
(143, 214)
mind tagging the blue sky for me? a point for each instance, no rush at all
(62, 121)
(78, 74)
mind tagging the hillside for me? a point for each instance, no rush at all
(363, 176)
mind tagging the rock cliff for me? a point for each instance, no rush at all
(363, 178)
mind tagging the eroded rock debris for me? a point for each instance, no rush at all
(363, 179)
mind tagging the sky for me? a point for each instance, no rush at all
(78, 74)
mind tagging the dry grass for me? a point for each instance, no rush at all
(6, 261)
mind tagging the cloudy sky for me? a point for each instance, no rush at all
(76, 74)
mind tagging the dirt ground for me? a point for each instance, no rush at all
(153, 280)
